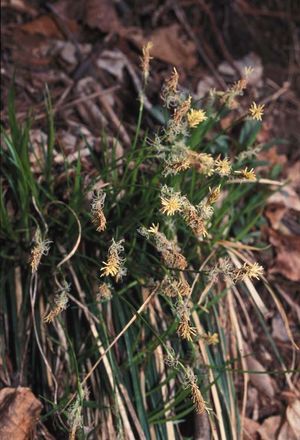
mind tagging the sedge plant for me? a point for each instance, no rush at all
(124, 290)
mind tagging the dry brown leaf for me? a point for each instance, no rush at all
(19, 5)
(293, 174)
(101, 14)
(269, 428)
(286, 433)
(249, 60)
(272, 157)
(282, 211)
(19, 412)
(293, 417)
(286, 197)
(278, 329)
(251, 428)
(204, 86)
(287, 260)
(43, 25)
(168, 45)
(114, 62)
(261, 381)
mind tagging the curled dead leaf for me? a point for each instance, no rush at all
(19, 413)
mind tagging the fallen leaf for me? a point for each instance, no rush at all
(293, 417)
(272, 157)
(282, 211)
(293, 174)
(278, 329)
(204, 86)
(287, 197)
(101, 14)
(261, 381)
(286, 433)
(19, 413)
(287, 259)
(251, 428)
(269, 428)
(114, 62)
(168, 45)
(19, 5)
(45, 25)
(249, 60)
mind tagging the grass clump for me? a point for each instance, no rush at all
(146, 262)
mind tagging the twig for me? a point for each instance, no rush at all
(219, 36)
(72, 103)
(183, 20)
(125, 328)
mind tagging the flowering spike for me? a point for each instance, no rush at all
(195, 117)
(114, 265)
(40, 248)
(98, 216)
(145, 60)
(256, 111)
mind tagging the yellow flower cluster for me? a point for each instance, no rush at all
(195, 117)
(256, 111)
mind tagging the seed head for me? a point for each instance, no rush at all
(61, 303)
(40, 248)
(171, 360)
(181, 111)
(170, 92)
(205, 164)
(248, 71)
(153, 228)
(197, 399)
(173, 258)
(145, 60)
(247, 174)
(104, 291)
(190, 382)
(185, 331)
(206, 211)
(98, 216)
(169, 250)
(114, 265)
(195, 221)
(213, 195)
(211, 338)
(249, 271)
(174, 288)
